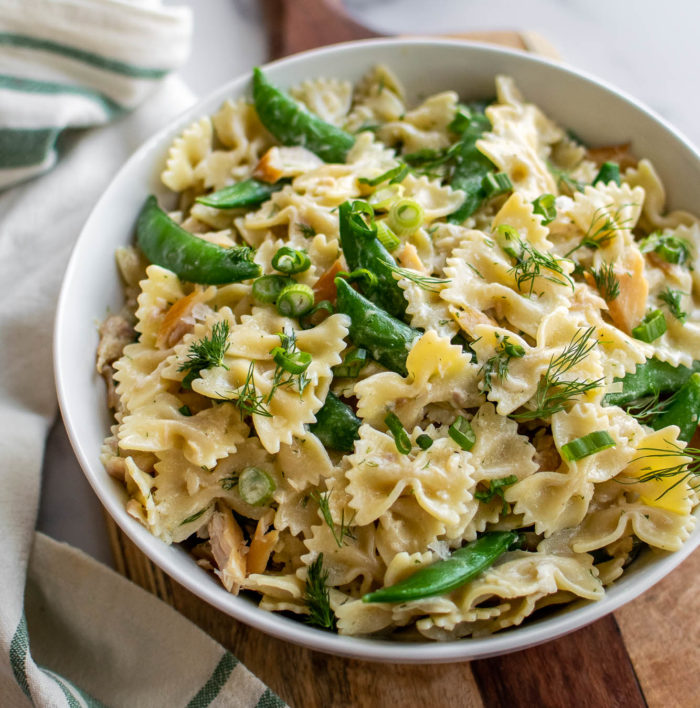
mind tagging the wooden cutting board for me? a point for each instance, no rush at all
(647, 653)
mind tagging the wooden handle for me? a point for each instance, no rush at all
(297, 25)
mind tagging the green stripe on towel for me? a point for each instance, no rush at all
(69, 696)
(15, 83)
(216, 682)
(9, 39)
(22, 147)
(19, 648)
(270, 700)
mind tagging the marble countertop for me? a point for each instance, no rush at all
(648, 49)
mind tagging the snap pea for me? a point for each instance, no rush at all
(609, 172)
(362, 249)
(651, 377)
(387, 339)
(471, 167)
(167, 244)
(336, 425)
(683, 409)
(248, 193)
(354, 361)
(292, 124)
(447, 575)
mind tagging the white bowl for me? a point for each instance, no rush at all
(597, 112)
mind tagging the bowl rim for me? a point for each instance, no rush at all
(292, 630)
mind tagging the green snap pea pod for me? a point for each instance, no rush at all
(362, 249)
(683, 409)
(167, 244)
(336, 425)
(248, 193)
(471, 167)
(387, 339)
(447, 575)
(650, 378)
(292, 124)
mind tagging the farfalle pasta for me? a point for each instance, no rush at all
(371, 337)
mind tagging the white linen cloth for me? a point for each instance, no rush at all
(73, 632)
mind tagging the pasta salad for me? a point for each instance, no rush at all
(408, 370)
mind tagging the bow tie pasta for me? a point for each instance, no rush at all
(424, 369)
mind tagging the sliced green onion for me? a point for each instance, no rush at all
(361, 220)
(387, 237)
(587, 445)
(289, 261)
(673, 250)
(669, 247)
(255, 486)
(403, 442)
(468, 115)
(497, 488)
(292, 362)
(405, 217)
(461, 120)
(511, 349)
(495, 183)
(295, 300)
(544, 206)
(651, 327)
(353, 362)
(358, 274)
(305, 319)
(383, 198)
(609, 172)
(267, 288)
(185, 410)
(507, 235)
(424, 441)
(462, 433)
(393, 176)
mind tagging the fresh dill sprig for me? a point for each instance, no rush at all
(317, 597)
(497, 488)
(497, 365)
(228, 483)
(194, 516)
(677, 468)
(564, 179)
(606, 281)
(249, 401)
(339, 534)
(425, 282)
(603, 228)
(648, 407)
(206, 353)
(553, 390)
(432, 163)
(306, 230)
(288, 349)
(475, 270)
(530, 263)
(672, 299)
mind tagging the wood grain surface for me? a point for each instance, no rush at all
(647, 653)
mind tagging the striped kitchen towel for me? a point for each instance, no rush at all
(72, 632)
(76, 63)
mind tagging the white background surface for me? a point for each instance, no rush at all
(646, 47)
